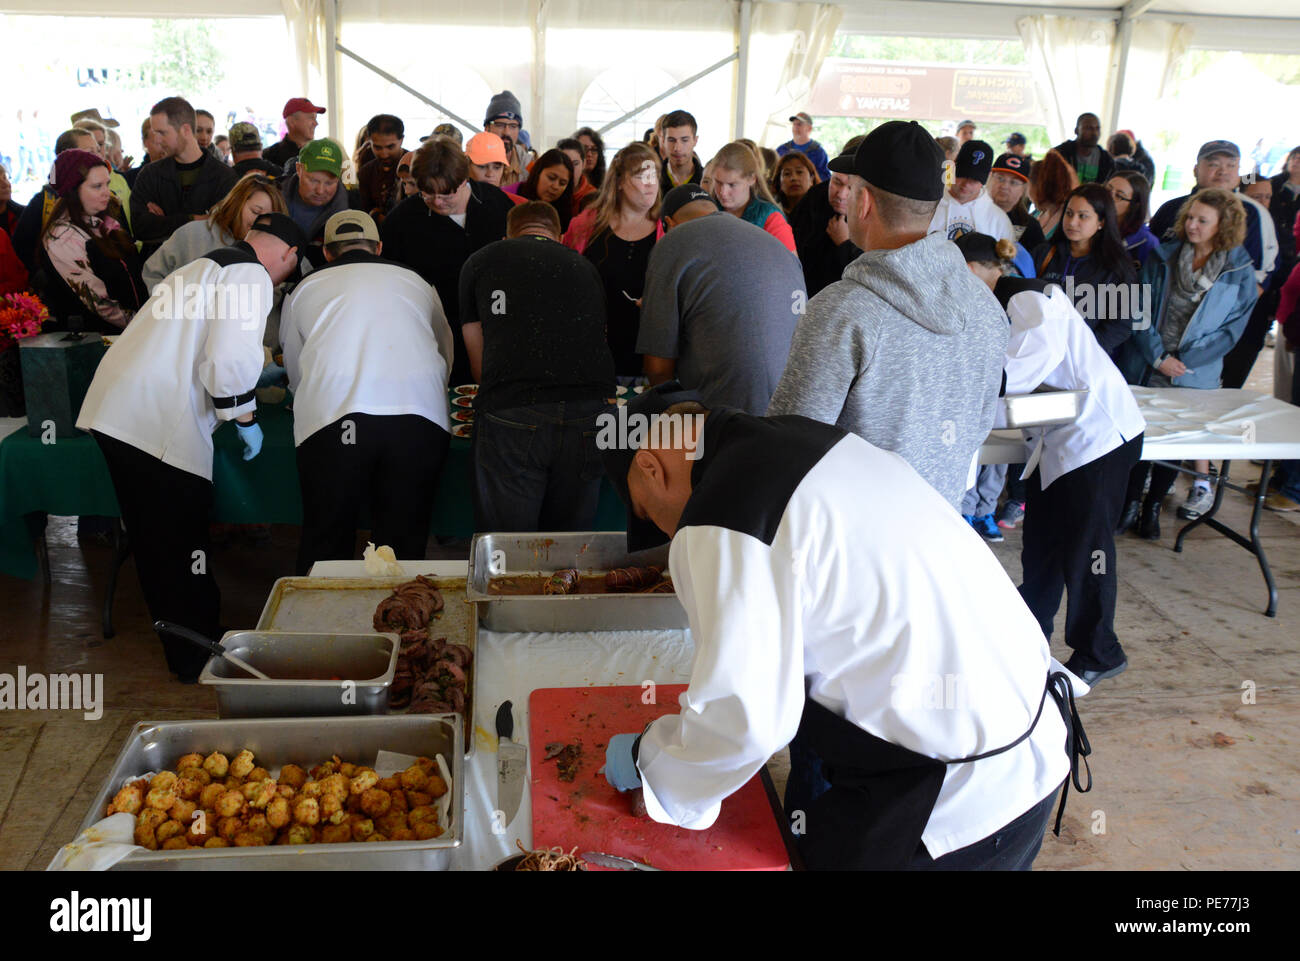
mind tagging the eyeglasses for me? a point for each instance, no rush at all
(509, 126)
(1119, 196)
(591, 149)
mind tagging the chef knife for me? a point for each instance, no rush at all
(510, 765)
(614, 861)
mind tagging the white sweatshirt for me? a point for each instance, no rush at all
(901, 621)
(189, 358)
(363, 335)
(981, 215)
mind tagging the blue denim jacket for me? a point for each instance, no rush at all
(1214, 328)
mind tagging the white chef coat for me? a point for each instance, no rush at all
(188, 359)
(1052, 346)
(981, 215)
(363, 335)
(902, 621)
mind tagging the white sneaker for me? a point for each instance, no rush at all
(1199, 500)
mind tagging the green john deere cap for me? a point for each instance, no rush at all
(322, 156)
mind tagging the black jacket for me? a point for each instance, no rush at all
(27, 233)
(1091, 297)
(665, 181)
(436, 248)
(1285, 207)
(281, 153)
(1105, 163)
(160, 183)
(823, 261)
(250, 165)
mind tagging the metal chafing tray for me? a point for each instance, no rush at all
(313, 674)
(347, 604)
(495, 555)
(156, 746)
(1044, 408)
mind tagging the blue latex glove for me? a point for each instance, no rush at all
(251, 435)
(620, 769)
(273, 375)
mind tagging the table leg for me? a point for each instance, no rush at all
(1251, 543)
(121, 551)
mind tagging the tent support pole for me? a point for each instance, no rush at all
(668, 93)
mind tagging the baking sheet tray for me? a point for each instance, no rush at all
(157, 745)
(497, 555)
(347, 605)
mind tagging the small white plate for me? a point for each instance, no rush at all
(1226, 430)
(1158, 417)
(1165, 403)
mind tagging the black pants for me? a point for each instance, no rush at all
(1069, 546)
(537, 468)
(1239, 361)
(166, 512)
(1011, 847)
(388, 463)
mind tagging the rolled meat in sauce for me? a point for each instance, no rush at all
(623, 580)
(562, 582)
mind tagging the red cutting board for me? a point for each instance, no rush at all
(589, 814)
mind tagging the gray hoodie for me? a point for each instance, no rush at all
(906, 351)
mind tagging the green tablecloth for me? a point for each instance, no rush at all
(70, 478)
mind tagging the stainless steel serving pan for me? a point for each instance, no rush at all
(1044, 408)
(350, 674)
(324, 604)
(496, 555)
(157, 745)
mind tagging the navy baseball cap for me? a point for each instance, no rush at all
(1015, 140)
(1212, 147)
(617, 456)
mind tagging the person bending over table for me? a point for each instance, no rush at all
(823, 623)
(367, 349)
(1203, 288)
(1078, 470)
(183, 365)
(532, 313)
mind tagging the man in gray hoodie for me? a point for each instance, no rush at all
(907, 349)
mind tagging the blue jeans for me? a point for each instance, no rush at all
(537, 468)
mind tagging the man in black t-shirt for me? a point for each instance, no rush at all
(532, 313)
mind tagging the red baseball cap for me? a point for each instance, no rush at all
(301, 104)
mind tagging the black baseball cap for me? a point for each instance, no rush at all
(679, 197)
(1015, 140)
(641, 534)
(1013, 164)
(974, 161)
(282, 226)
(899, 156)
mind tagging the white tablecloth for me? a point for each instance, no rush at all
(509, 667)
(1189, 424)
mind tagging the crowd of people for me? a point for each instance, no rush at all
(869, 289)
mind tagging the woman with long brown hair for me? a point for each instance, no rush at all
(91, 262)
(550, 180)
(227, 222)
(1050, 184)
(794, 176)
(617, 233)
(740, 190)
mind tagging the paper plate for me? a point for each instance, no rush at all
(1155, 432)
(467, 390)
(1226, 430)
(464, 401)
(1158, 417)
(462, 430)
(464, 416)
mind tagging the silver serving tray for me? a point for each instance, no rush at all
(496, 555)
(157, 745)
(364, 663)
(323, 604)
(1044, 408)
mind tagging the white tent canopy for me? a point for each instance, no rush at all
(765, 54)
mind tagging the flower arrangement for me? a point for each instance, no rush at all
(21, 316)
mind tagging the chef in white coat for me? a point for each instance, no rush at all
(928, 726)
(1076, 478)
(367, 349)
(189, 360)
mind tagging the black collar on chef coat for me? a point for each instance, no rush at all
(749, 468)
